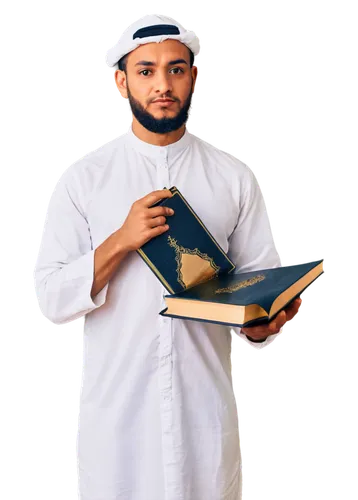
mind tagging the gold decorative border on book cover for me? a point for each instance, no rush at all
(193, 266)
(175, 191)
(241, 284)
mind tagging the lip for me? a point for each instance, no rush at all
(167, 102)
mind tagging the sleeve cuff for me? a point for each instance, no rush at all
(72, 298)
(86, 269)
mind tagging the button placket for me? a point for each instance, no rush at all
(163, 170)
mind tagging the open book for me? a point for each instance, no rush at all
(243, 299)
(201, 280)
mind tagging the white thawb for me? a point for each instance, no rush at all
(158, 417)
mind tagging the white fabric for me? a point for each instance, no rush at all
(158, 417)
(126, 43)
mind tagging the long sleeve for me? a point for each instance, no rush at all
(251, 245)
(64, 269)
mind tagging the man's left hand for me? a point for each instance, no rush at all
(260, 333)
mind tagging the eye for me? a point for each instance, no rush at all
(143, 70)
(180, 69)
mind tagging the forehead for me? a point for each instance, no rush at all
(159, 53)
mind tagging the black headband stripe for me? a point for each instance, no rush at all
(157, 29)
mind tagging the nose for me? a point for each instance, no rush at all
(163, 84)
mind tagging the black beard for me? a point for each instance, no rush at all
(159, 125)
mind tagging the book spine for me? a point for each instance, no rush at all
(155, 271)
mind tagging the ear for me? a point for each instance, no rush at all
(121, 82)
(195, 71)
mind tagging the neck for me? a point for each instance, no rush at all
(156, 139)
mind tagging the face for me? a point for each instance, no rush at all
(159, 71)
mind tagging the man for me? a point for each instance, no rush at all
(158, 418)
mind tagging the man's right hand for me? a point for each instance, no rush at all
(144, 223)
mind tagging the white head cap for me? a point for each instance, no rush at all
(148, 29)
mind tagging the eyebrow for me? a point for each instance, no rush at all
(150, 63)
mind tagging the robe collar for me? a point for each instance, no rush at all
(159, 152)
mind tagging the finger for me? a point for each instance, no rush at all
(270, 328)
(154, 196)
(255, 336)
(156, 231)
(295, 304)
(156, 221)
(293, 308)
(278, 322)
(258, 332)
(301, 303)
(292, 317)
(258, 335)
(156, 211)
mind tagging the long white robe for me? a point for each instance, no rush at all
(158, 417)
